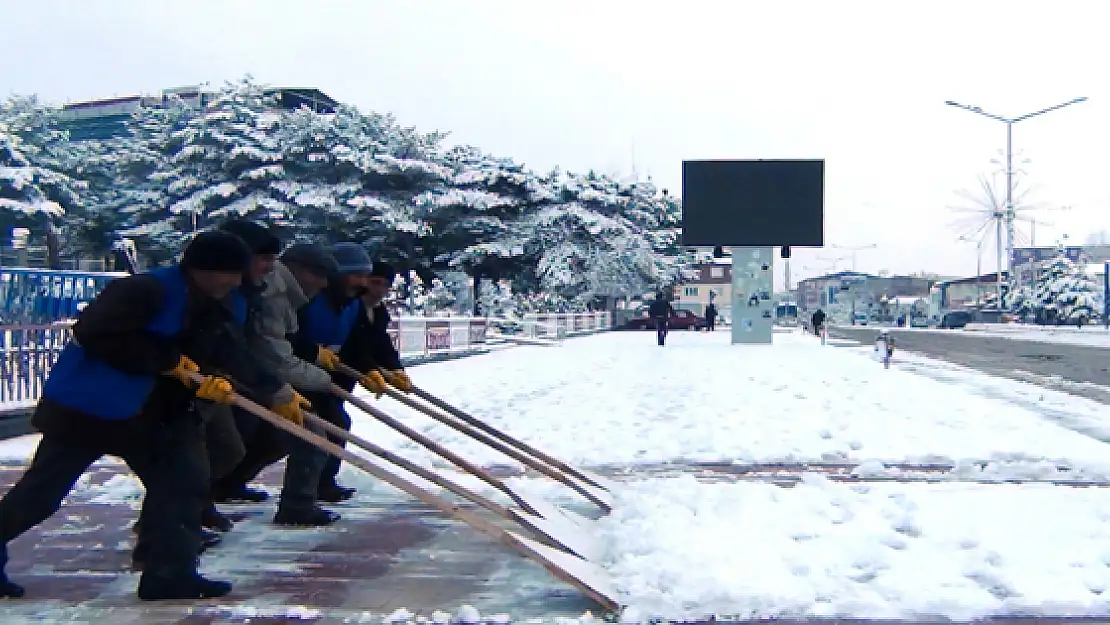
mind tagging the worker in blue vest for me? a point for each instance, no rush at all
(126, 386)
(327, 325)
(223, 441)
(302, 273)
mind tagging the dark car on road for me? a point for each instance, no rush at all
(680, 320)
(955, 319)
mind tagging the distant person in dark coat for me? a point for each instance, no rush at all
(818, 320)
(711, 316)
(660, 312)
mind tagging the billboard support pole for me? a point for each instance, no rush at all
(753, 313)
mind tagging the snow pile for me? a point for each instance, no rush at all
(683, 549)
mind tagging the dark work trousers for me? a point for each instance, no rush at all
(711, 323)
(330, 408)
(222, 439)
(268, 445)
(172, 466)
(661, 327)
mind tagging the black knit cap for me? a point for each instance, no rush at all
(383, 269)
(257, 236)
(312, 256)
(215, 250)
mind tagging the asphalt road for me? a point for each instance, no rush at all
(1072, 368)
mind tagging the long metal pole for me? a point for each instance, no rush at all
(998, 254)
(979, 273)
(1009, 208)
(1106, 295)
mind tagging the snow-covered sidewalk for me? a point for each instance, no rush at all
(679, 547)
(618, 398)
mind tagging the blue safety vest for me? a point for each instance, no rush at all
(90, 385)
(324, 325)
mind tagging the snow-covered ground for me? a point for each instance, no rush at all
(679, 547)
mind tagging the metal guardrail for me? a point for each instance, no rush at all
(40, 296)
(28, 351)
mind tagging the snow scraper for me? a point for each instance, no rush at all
(593, 488)
(562, 561)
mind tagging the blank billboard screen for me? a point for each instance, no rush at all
(753, 203)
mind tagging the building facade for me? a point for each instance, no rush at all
(708, 281)
(861, 291)
(107, 118)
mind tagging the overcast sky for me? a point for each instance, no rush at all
(612, 84)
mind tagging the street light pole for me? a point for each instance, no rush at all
(1008, 216)
(853, 250)
(978, 268)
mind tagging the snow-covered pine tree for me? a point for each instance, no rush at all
(401, 164)
(472, 220)
(145, 171)
(225, 159)
(35, 191)
(658, 215)
(439, 298)
(408, 295)
(1062, 294)
(325, 159)
(497, 299)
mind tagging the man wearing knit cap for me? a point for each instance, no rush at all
(326, 327)
(126, 386)
(231, 431)
(379, 351)
(300, 275)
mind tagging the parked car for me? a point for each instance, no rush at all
(955, 319)
(680, 320)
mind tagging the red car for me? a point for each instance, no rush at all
(680, 320)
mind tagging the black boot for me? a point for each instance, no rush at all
(334, 493)
(212, 519)
(239, 493)
(8, 588)
(192, 586)
(207, 541)
(305, 517)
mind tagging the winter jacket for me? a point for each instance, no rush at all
(108, 381)
(660, 309)
(275, 324)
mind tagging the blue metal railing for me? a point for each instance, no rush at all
(40, 296)
(26, 354)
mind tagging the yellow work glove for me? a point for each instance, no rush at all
(374, 382)
(183, 371)
(293, 410)
(216, 390)
(328, 359)
(400, 380)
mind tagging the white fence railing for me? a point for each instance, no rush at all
(569, 324)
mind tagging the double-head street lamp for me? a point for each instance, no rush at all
(1008, 215)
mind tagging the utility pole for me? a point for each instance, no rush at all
(1008, 216)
